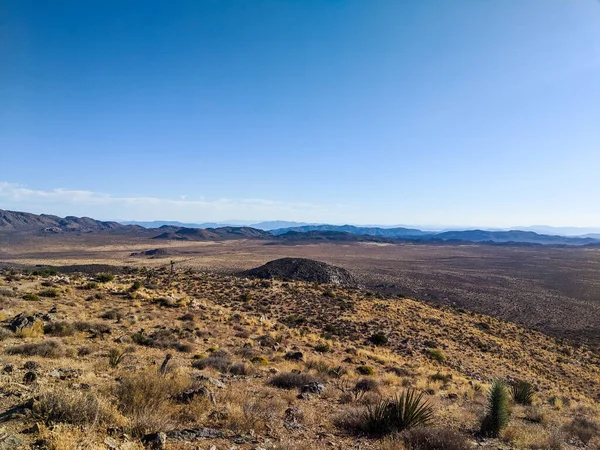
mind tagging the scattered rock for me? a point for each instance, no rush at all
(194, 433)
(155, 441)
(313, 388)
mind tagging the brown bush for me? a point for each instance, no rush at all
(145, 398)
(292, 380)
(70, 407)
(47, 349)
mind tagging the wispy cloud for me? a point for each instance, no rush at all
(81, 202)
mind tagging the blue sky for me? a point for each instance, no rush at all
(465, 112)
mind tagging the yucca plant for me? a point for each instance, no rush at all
(399, 413)
(522, 392)
(497, 413)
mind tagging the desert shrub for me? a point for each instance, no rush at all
(47, 349)
(366, 385)
(292, 380)
(50, 292)
(352, 420)
(104, 277)
(583, 429)
(90, 285)
(259, 360)
(379, 338)
(59, 329)
(112, 314)
(117, 355)
(218, 360)
(397, 414)
(241, 369)
(145, 399)
(365, 370)
(444, 378)
(187, 317)
(135, 286)
(497, 412)
(322, 347)
(436, 354)
(5, 333)
(522, 392)
(434, 439)
(70, 407)
(35, 330)
(31, 297)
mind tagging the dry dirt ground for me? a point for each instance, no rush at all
(88, 373)
(554, 290)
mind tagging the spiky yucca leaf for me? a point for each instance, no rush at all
(522, 392)
(399, 413)
(497, 413)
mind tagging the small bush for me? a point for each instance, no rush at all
(31, 297)
(112, 314)
(434, 439)
(522, 392)
(436, 354)
(70, 407)
(366, 385)
(259, 360)
(117, 355)
(5, 333)
(444, 378)
(59, 329)
(145, 399)
(583, 429)
(241, 369)
(400, 413)
(135, 286)
(497, 414)
(218, 360)
(292, 380)
(46, 349)
(379, 338)
(322, 347)
(50, 292)
(104, 277)
(365, 370)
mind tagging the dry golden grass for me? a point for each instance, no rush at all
(209, 317)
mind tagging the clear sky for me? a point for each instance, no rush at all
(462, 112)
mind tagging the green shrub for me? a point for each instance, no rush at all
(400, 413)
(104, 277)
(365, 370)
(522, 392)
(322, 347)
(135, 286)
(50, 292)
(497, 413)
(31, 297)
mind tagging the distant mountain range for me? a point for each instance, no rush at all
(270, 225)
(22, 222)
